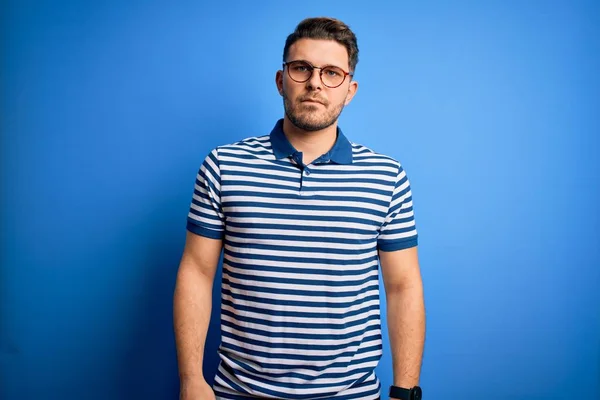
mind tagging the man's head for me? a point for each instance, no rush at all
(319, 57)
(325, 29)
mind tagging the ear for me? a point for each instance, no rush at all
(351, 92)
(279, 81)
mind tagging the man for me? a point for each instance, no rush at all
(305, 219)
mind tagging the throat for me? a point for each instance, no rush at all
(312, 145)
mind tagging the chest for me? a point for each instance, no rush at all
(317, 198)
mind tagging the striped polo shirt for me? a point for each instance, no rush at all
(300, 314)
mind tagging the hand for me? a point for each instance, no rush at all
(197, 390)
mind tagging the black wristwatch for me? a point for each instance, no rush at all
(414, 393)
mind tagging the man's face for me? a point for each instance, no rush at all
(312, 106)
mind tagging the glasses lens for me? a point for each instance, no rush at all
(333, 76)
(299, 71)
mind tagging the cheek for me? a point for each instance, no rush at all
(340, 98)
(292, 93)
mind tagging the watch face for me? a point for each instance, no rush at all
(417, 394)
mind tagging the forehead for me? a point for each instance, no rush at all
(319, 52)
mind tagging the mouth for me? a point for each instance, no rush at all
(312, 101)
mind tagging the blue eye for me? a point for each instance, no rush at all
(332, 72)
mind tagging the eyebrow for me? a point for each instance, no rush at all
(322, 66)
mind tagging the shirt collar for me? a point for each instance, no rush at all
(340, 153)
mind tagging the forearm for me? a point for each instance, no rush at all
(406, 326)
(192, 304)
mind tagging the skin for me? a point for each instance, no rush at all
(330, 101)
(405, 313)
(192, 305)
(311, 127)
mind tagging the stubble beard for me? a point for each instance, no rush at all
(308, 118)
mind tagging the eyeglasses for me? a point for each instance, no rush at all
(301, 71)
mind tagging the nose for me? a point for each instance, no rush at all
(315, 80)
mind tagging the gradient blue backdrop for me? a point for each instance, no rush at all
(108, 108)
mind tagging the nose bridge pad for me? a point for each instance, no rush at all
(316, 74)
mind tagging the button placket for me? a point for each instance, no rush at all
(304, 175)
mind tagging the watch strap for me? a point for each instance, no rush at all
(399, 393)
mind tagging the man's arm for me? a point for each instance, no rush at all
(405, 313)
(192, 303)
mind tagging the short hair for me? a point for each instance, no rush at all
(327, 29)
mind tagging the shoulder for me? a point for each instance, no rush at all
(363, 155)
(250, 146)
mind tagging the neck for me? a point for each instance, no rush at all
(312, 144)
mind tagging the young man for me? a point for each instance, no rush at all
(305, 218)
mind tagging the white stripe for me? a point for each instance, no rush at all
(298, 341)
(313, 234)
(295, 264)
(304, 202)
(286, 275)
(300, 222)
(283, 307)
(295, 254)
(301, 320)
(304, 298)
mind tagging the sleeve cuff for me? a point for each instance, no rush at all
(387, 245)
(202, 231)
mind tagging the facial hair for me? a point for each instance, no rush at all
(309, 117)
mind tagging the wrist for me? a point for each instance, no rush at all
(403, 393)
(191, 379)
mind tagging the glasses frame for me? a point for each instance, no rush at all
(287, 64)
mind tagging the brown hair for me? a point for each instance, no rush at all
(328, 29)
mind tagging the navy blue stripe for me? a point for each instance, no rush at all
(300, 325)
(317, 218)
(358, 171)
(298, 346)
(258, 226)
(294, 196)
(249, 371)
(399, 220)
(300, 314)
(291, 385)
(293, 238)
(263, 185)
(211, 231)
(309, 207)
(297, 292)
(305, 250)
(207, 184)
(355, 396)
(208, 214)
(316, 175)
(234, 385)
(265, 176)
(271, 165)
(402, 193)
(301, 260)
(253, 142)
(293, 271)
(351, 189)
(301, 356)
(301, 335)
(386, 245)
(301, 303)
(249, 156)
(291, 281)
(223, 151)
(389, 231)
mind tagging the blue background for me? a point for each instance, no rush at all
(108, 109)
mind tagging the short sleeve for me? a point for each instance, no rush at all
(206, 217)
(398, 231)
